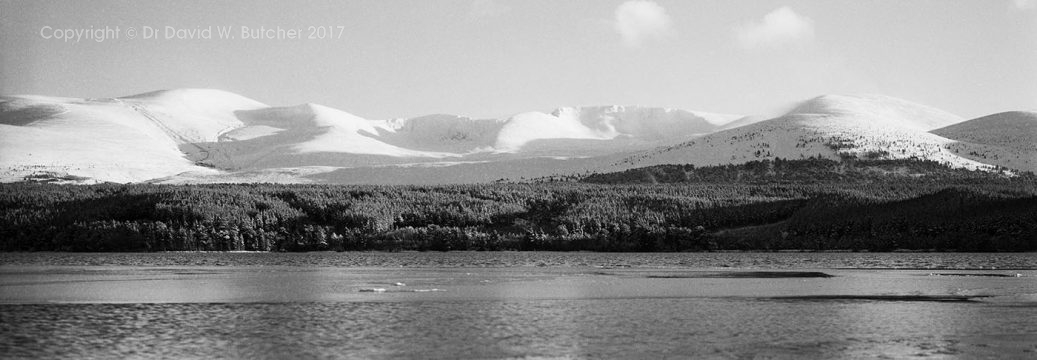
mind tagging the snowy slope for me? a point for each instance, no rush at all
(606, 123)
(878, 110)
(304, 135)
(192, 115)
(112, 139)
(1007, 139)
(441, 133)
(743, 121)
(831, 126)
(647, 122)
(524, 128)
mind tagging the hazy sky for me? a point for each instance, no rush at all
(498, 57)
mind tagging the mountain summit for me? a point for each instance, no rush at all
(830, 126)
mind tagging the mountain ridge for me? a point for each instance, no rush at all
(209, 135)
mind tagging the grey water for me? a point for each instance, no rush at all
(518, 305)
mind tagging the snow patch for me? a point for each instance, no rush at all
(526, 127)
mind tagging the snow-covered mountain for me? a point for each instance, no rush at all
(129, 139)
(200, 135)
(830, 126)
(213, 135)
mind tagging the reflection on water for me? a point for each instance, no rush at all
(594, 306)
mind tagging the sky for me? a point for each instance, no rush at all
(493, 58)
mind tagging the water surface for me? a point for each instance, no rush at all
(518, 305)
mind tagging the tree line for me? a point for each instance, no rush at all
(756, 206)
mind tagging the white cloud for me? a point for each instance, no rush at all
(638, 21)
(487, 9)
(1025, 4)
(778, 28)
